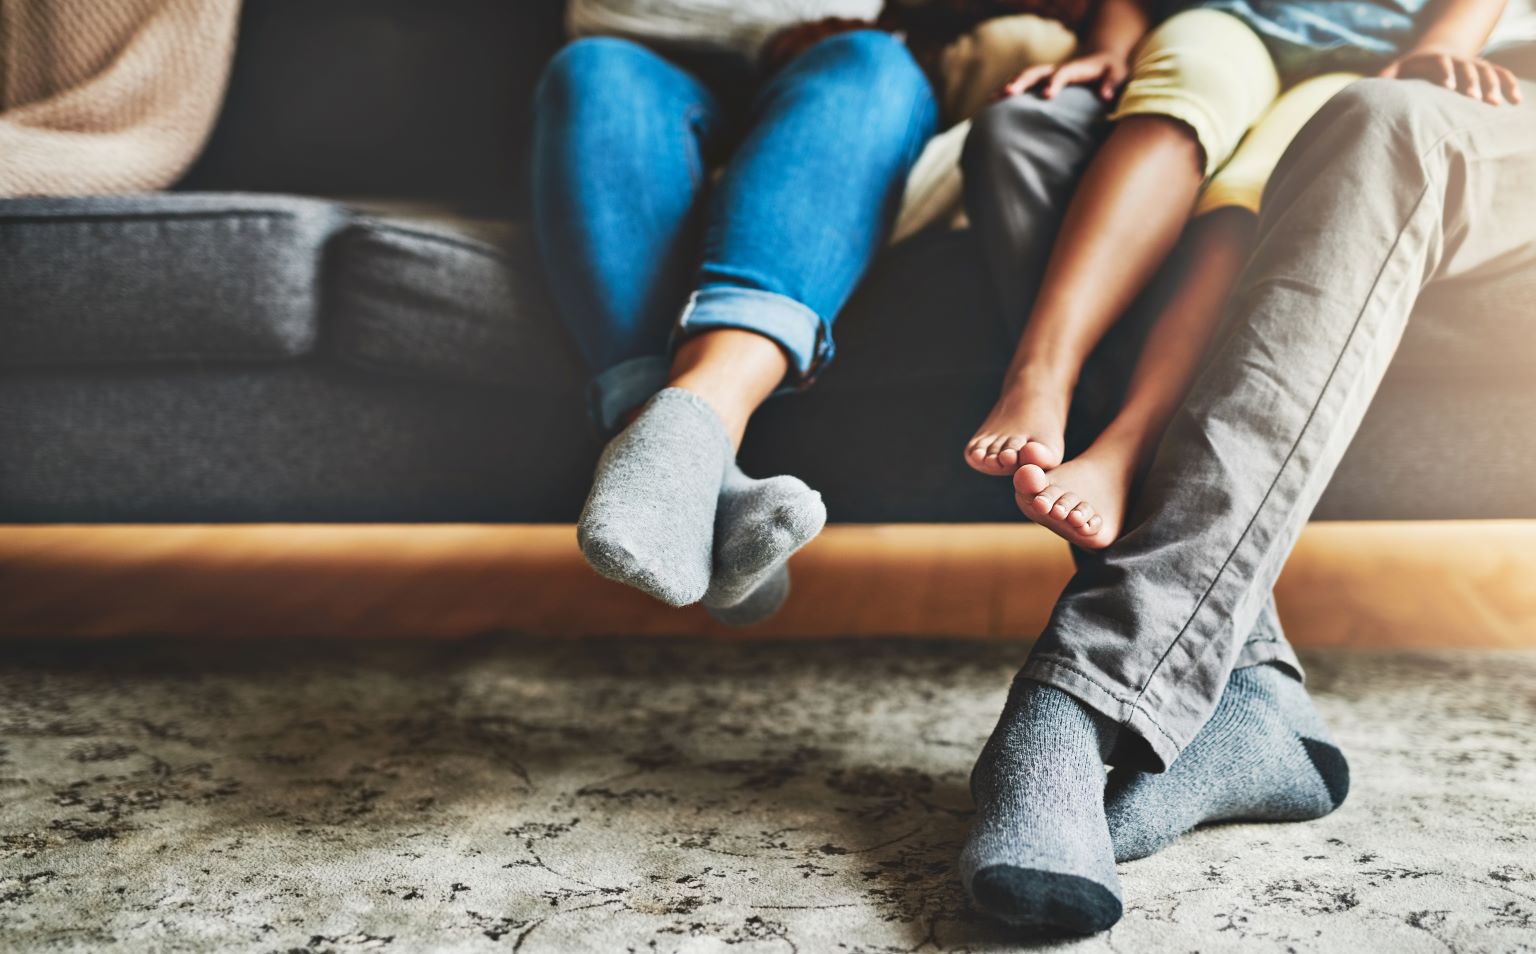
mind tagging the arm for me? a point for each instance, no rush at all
(1103, 57)
(1446, 52)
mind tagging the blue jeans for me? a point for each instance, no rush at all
(641, 246)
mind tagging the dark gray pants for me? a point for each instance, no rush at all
(1392, 186)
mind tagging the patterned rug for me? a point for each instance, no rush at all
(669, 795)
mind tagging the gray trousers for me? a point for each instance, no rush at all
(1394, 185)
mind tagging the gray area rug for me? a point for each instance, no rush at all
(669, 795)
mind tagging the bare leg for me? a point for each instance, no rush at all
(1130, 209)
(734, 372)
(1085, 500)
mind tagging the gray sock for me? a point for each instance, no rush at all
(759, 524)
(758, 605)
(649, 520)
(1265, 755)
(1039, 853)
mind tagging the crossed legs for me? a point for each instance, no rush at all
(1146, 637)
(646, 256)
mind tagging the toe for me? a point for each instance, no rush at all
(1088, 536)
(1064, 505)
(1046, 499)
(1009, 456)
(1030, 480)
(1080, 515)
(976, 454)
(1041, 455)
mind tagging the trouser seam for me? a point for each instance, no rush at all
(1133, 704)
(1060, 663)
(1291, 452)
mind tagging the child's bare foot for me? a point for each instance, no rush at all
(1083, 500)
(1026, 426)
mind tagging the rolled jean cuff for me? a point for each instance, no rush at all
(625, 386)
(805, 337)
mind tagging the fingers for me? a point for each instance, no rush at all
(1466, 78)
(1028, 79)
(1470, 76)
(1075, 73)
(1488, 81)
(1509, 85)
(1114, 78)
(1069, 75)
(1437, 68)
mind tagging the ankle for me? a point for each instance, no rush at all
(733, 409)
(1046, 379)
(1128, 444)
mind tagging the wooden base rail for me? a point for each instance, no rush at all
(1376, 585)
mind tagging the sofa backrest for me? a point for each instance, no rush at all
(424, 99)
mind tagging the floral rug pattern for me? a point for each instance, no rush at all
(511, 794)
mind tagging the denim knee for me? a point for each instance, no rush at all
(592, 67)
(872, 62)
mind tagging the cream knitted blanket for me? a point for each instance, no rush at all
(108, 95)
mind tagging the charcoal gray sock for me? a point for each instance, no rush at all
(1039, 853)
(1265, 755)
(759, 524)
(649, 520)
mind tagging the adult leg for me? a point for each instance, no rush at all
(1201, 80)
(621, 144)
(1393, 184)
(800, 211)
(1021, 164)
(1266, 753)
(1040, 849)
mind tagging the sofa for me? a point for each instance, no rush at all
(338, 315)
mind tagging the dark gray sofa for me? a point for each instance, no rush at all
(252, 348)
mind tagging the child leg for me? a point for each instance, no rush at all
(1200, 80)
(1085, 499)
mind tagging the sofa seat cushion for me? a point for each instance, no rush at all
(427, 294)
(133, 279)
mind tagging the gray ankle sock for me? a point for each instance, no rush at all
(759, 604)
(650, 518)
(1039, 853)
(759, 524)
(1265, 755)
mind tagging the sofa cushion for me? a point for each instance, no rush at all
(130, 279)
(434, 296)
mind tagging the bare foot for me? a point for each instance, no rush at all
(1026, 426)
(1083, 500)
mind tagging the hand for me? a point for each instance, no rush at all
(1106, 71)
(1467, 75)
